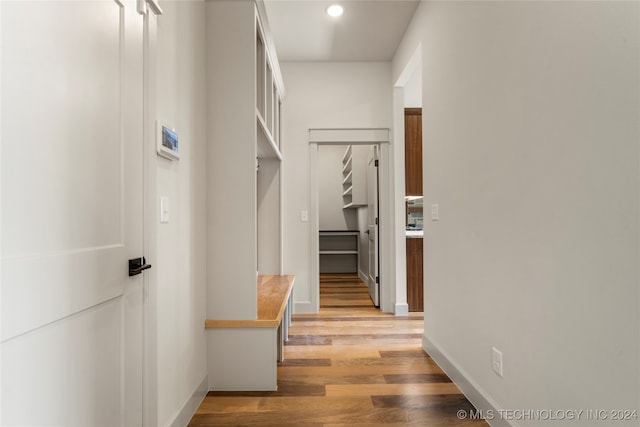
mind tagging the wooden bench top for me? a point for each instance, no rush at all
(273, 294)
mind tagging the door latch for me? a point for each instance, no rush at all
(137, 266)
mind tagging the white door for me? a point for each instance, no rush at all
(372, 201)
(71, 198)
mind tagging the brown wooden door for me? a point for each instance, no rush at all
(415, 281)
(413, 151)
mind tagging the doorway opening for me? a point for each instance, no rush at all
(348, 187)
(348, 213)
(408, 111)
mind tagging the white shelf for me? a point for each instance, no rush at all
(338, 252)
(266, 146)
(353, 205)
(339, 233)
(347, 154)
(347, 165)
(347, 179)
(354, 174)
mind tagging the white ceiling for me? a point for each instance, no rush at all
(369, 30)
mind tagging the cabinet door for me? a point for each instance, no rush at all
(415, 274)
(413, 151)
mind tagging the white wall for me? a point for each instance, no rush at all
(268, 217)
(331, 214)
(321, 95)
(180, 266)
(413, 90)
(531, 151)
(231, 161)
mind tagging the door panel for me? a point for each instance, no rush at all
(415, 274)
(72, 360)
(372, 200)
(413, 151)
(71, 212)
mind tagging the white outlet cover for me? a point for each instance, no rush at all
(496, 360)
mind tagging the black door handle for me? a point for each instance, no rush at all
(137, 266)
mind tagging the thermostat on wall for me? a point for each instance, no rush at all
(167, 142)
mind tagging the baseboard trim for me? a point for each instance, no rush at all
(476, 395)
(363, 276)
(303, 307)
(191, 405)
(401, 309)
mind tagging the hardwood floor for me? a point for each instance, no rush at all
(348, 365)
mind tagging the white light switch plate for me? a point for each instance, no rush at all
(435, 212)
(164, 210)
(304, 216)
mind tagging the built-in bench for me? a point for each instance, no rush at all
(243, 354)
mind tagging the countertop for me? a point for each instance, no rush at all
(414, 234)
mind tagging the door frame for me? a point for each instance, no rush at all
(373, 228)
(413, 65)
(150, 10)
(355, 136)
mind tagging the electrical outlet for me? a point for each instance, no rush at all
(496, 360)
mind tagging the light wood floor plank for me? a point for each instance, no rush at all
(369, 369)
(347, 366)
(391, 389)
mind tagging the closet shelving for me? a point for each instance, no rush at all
(339, 251)
(354, 174)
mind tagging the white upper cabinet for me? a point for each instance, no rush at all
(268, 95)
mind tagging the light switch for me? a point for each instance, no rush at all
(164, 209)
(304, 216)
(435, 212)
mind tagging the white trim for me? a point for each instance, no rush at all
(369, 136)
(314, 231)
(150, 377)
(191, 405)
(386, 233)
(141, 7)
(261, 13)
(155, 7)
(304, 307)
(401, 309)
(364, 277)
(397, 205)
(354, 136)
(476, 395)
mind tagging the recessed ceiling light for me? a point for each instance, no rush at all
(335, 10)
